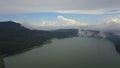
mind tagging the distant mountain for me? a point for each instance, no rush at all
(11, 26)
(16, 38)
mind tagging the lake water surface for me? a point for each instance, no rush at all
(74, 52)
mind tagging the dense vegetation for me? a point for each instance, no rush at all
(15, 38)
(115, 39)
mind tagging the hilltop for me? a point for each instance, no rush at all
(16, 38)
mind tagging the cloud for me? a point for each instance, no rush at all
(63, 6)
(70, 22)
(116, 11)
(114, 21)
(109, 24)
(43, 25)
(98, 11)
(62, 22)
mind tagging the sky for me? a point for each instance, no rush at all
(60, 13)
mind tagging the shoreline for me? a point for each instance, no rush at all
(1, 61)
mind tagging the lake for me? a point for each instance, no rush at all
(77, 52)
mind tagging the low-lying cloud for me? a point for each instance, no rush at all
(109, 24)
(70, 22)
(62, 22)
(65, 23)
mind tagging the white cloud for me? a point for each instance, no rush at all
(61, 23)
(70, 22)
(40, 25)
(112, 23)
(98, 11)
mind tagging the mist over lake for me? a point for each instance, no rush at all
(76, 52)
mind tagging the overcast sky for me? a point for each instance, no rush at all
(65, 6)
(60, 13)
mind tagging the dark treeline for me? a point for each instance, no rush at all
(16, 38)
(115, 39)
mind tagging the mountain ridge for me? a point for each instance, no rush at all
(14, 37)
